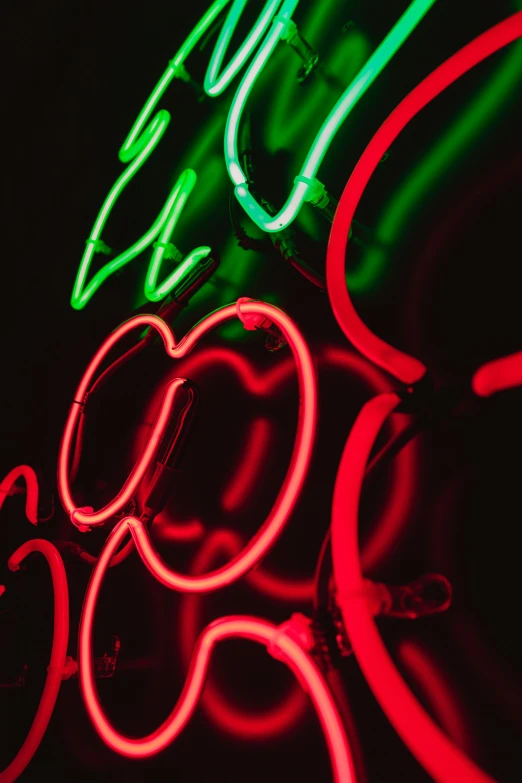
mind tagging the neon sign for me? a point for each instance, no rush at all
(144, 138)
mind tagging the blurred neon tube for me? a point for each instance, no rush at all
(225, 714)
(58, 653)
(304, 440)
(355, 90)
(399, 364)
(289, 650)
(435, 752)
(497, 375)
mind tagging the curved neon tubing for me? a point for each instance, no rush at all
(31, 482)
(497, 375)
(58, 653)
(426, 672)
(399, 364)
(226, 715)
(447, 154)
(435, 752)
(306, 425)
(355, 90)
(180, 193)
(404, 467)
(227, 627)
(137, 147)
(215, 83)
(163, 225)
(91, 518)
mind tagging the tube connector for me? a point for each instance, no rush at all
(170, 251)
(299, 629)
(295, 40)
(429, 594)
(318, 196)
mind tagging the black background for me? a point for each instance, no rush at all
(74, 77)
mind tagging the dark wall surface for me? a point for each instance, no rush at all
(439, 251)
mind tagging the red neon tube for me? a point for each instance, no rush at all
(58, 653)
(31, 502)
(226, 715)
(402, 366)
(287, 649)
(247, 310)
(432, 748)
(497, 375)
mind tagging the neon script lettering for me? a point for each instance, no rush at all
(144, 137)
(146, 134)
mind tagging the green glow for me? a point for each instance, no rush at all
(289, 115)
(449, 151)
(181, 191)
(215, 82)
(137, 147)
(382, 55)
(134, 142)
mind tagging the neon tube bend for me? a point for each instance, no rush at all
(31, 482)
(142, 140)
(226, 715)
(355, 90)
(216, 83)
(402, 366)
(306, 424)
(437, 754)
(227, 627)
(58, 653)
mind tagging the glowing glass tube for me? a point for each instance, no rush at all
(282, 644)
(216, 82)
(294, 479)
(56, 666)
(399, 364)
(438, 755)
(137, 147)
(356, 89)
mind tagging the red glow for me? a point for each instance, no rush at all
(31, 501)
(58, 652)
(280, 643)
(402, 366)
(257, 443)
(420, 663)
(404, 468)
(166, 530)
(437, 754)
(229, 717)
(303, 443)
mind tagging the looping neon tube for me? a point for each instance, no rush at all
(224, 713)
(294, 479)
(144, 137)
(432, 748)
(280, 644)
(215, 83)
(405, 368)
(355, 90)
(58, 653)
(136, 149)
(164, 225)
(31, 482)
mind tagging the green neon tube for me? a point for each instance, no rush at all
(136, 149)
(449, 151)
(215, 83)
(181, 191)
(355, 90)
